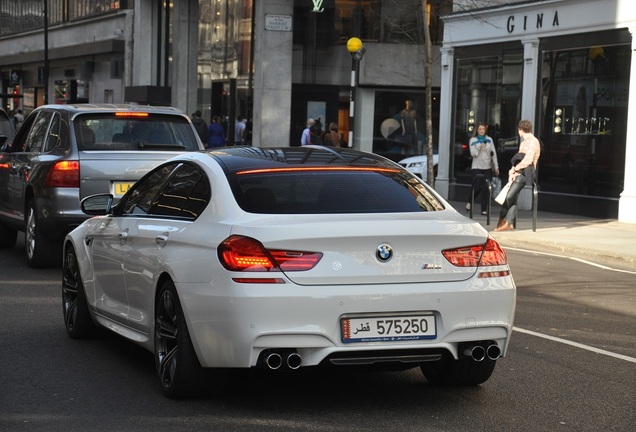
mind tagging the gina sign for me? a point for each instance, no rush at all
(278, 22)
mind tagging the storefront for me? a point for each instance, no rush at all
(564, 65)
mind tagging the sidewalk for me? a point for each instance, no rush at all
(603, 241)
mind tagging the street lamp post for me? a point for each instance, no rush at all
(356, 49)
(45, 79)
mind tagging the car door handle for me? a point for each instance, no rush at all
(123, 236)
(161, 240)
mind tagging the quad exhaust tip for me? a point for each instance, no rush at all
(479, 353)
(276, 359)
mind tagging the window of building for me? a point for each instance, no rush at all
(26, 15)
(488, 91)
(389, 139)
(582, 120)
(385, 21)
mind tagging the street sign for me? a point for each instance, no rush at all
(14, 77)
(278, 22)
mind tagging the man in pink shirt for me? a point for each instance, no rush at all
(524, 165)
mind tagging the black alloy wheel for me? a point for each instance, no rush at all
(177, 365)
(77, 318)
(40, 250)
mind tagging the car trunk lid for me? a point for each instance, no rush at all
(372, 248)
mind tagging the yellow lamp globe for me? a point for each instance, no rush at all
(354, 44)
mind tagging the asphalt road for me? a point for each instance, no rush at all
(571, 367)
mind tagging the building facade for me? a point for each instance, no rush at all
(566, 65)
(275, 62)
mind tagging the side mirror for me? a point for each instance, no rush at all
(97, 205)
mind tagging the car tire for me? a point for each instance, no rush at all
(179, 371)
(40, 250)
(8, 237)
(77, 318)
(462, 372)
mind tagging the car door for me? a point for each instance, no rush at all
(7, 132)
(25, 153)
(110, 242)
(155, 239)
(107, 254)
(7, 172)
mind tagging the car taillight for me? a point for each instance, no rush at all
(488, 254)
(238, 253)
(63, 174)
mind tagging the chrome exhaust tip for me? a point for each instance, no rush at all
(274, 361)
(476, 352)
(493, 352)
(293, 361)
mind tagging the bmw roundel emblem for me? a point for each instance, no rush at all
(384, 253)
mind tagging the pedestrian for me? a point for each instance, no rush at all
(216, 133)
(523, 171)
(315, 133)
(484, 165)
(333, 138)
(239, 132)
(408, 121)
(18, 118)
(201, 126)
(305, 138)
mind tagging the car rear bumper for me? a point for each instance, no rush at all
(234, 331)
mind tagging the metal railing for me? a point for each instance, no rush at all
(535, 207)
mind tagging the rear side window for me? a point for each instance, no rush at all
(323, 192)
(174, 190)
(136, 131)
(38, 134)
(186, 196)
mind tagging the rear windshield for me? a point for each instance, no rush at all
(322, 192)
(139, 132)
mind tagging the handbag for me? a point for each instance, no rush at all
(501, 196)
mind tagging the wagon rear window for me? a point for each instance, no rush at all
(142, 131)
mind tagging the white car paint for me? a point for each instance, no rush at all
(418, 165)
(232, 323)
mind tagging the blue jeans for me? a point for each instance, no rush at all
(509, 207)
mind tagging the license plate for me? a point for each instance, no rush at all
(388, 329)
(120, 188)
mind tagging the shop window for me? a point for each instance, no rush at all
(488, 91)
(389, 139)
(584, 110)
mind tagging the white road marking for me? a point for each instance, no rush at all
(594, 264)
(576, 344)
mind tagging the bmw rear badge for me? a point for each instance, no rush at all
(384, 253)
